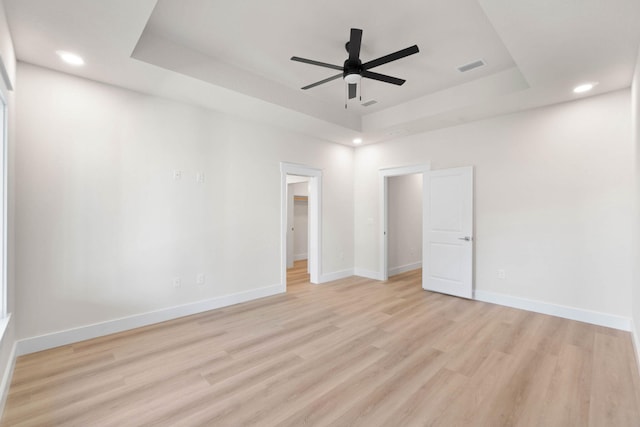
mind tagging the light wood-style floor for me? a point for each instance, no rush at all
(352, 352)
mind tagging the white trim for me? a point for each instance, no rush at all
(573, 313)
(369, 274)
(6, 377)
(69, 336)
(5, 75)
(636, 343)
(384, 174)
(405, 170)
(4, 325)
(337, 275)
(315, 220)
(404, 268)
(300, 257)
(4, 233)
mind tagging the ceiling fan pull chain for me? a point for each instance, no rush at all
(346, 96)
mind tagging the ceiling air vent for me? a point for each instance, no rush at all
(471, 65)
(396, 133)
(366, 104)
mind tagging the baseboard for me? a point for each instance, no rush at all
(573, 313)
(69, 336)
(362, 272)
(300, 257)
(330, 277)
(6, 377)
(404, 268)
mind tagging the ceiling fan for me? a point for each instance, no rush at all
(353, 69)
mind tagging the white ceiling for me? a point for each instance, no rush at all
(262, 38)
(234, 58)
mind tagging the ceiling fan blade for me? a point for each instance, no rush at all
(354, 44)
(352, 90)
(391, 57)
(383, 78)
(318, 63)
(328, 79)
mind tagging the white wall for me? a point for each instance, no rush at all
(301, 227)
(404, 222)
(300, 221)
(103, 228)
(300, 188)
(553, 191)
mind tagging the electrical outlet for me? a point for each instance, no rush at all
(200, 177)
(177, 175)
(501, 274)
(200, 279)
(177, 282)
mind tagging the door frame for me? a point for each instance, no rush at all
(4, 197)
(315, 220)
(384, 175)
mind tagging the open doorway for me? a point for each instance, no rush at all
(297, 229)
(447, 227)
(410, 237)
(404, 227)
(293, 175)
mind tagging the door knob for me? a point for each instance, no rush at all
(465, 238)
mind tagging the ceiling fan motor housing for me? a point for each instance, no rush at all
(352, 71)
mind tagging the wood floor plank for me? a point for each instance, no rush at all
(338, 400)
(349, 352)
(612, 379)
(568, 398)
(520, 398)
(429, 402)
(391, 394)
(482, 386)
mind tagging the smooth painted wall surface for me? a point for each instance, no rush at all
(300, 221)
(301, 227)
(102, 226)
(404, 221)
(553, 198)
(300, 188)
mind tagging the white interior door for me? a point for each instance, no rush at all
(448, 242)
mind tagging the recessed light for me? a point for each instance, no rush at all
(357, 141)
(70, 58)
(586, 87)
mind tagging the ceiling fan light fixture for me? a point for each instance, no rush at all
(353, 78)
